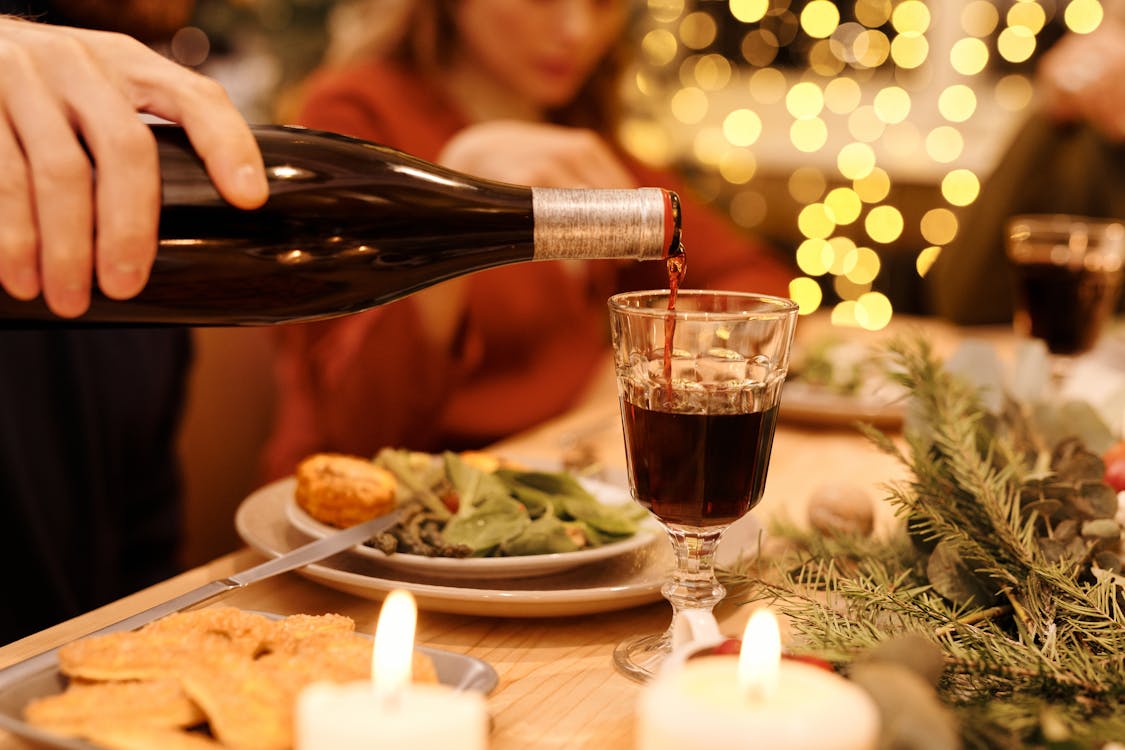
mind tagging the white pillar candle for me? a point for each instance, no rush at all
(390, 711)
(755, 701)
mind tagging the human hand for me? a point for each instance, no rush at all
(81, 192)
(1083, 78)
(536, 154)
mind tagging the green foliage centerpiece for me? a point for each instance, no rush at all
(1008, 558)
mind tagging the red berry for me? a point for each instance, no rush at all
(732, 646)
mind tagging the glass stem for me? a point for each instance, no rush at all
(693, 584)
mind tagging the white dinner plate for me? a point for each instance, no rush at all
(619, 582)
(480, 568)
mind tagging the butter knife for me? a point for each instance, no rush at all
(304, 555)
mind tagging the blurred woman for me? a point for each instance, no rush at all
(522, 91)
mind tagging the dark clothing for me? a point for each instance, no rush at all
(89, 486)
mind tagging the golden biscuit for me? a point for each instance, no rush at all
(148, 738)
(154, 703)
(343, 491)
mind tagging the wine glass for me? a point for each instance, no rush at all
(1067, 272)
(699, 389)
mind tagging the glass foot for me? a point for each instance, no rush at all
(640, 658)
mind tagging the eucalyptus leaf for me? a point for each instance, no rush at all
(1096, 500)
(954, 579)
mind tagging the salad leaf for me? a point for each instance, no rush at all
(416, 475)
(489, 525)
(544, 536)
(473, 486)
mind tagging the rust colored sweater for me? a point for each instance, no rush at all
(533, 333)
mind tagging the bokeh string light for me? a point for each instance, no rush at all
(866, 95)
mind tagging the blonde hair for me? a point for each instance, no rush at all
(419, 34)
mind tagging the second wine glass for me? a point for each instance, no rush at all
(699, 388)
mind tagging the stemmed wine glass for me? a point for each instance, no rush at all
(699, 389)
(1068, 272)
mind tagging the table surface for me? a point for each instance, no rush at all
(558, 687)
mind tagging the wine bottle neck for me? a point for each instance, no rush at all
(641, 223)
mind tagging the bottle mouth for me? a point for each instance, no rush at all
(672, 227)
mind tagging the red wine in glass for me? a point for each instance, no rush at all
(698, 469)
(1064, 305)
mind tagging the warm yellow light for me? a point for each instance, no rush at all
(873, 311)
(873, 188)
(808, 135)
(393, 649)
(979, 18)
(823, 60)
(909, 50)
(742, 127)
(689, 105)
(864, 125)
(759, 47)
(665, 11)
(844, 204)
(806, 184)
(960, 187)
(647, 140)
(814, 256)
(883, 224)
(925, 260)
(847, 289)
(804, 100)
(1083, 16)
(873, 13)
(911, 16)
(712, 72)
(843, 314)
(892, 104)
(939, 226)
(748, 208)
(867, 266)
(698, 30)
(844, 255)
(842, 95)
(659, 47)
(855, 160)
(871, 48)
(806, 293)
(1015, 44)
(749, 11)
(815, 221)
(767, 85)
(709, 145)
(737, 166)
(820, 18)
(957, 103)
(969, 56)
(1029, 15)
(1014, 92)
(944, 144)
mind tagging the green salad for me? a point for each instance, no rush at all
(455, 508)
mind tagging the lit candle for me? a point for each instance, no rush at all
(390, 711)
(756, 701)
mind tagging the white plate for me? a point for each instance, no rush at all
(620, 582)
(39, 676)
(815, 405)
(479, 568)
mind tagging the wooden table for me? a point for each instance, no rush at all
(558, 687)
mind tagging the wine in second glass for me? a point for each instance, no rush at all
(1067, 272)
(699, 418)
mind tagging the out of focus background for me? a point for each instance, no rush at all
(851, 133)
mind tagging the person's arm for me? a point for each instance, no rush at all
(81, 194)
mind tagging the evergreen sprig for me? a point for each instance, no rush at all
(1033, 638)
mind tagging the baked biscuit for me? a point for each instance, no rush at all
(342, 490)
(151, 703)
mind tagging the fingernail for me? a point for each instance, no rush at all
(251, 182)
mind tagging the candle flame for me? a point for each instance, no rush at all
(760, 659)
(393, 655)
